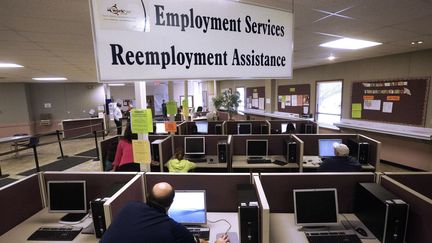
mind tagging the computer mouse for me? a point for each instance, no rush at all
(309, 160)
(361, 231)
(211, 160)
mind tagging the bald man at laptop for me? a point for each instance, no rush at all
(341, 162)
(139, 222)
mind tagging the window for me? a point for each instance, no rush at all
(190, 100)
(329, 101)
(241, 90)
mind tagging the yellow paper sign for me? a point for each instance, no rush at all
(356, 106)
(171, 126)
(139, 121)
(356, 114)
(149, 120)
(185, 105)
(171, 107)
(141, 151)
(292, 89)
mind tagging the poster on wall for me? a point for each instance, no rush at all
(139, 40)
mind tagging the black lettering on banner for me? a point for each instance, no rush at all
(116, 51)
(159, 15)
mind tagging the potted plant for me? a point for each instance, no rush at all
(229, 101)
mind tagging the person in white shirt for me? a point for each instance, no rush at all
(117, 119)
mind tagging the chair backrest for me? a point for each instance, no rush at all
(129, 167)
(34, 141)
(199, 109)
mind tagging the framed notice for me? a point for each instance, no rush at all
(401, 101)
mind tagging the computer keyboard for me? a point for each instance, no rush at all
(197, 160)
(55, 234)
(201, 232)
(332, 237)
(258, 161)
(280, 162)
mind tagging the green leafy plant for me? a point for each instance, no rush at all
(228, 101)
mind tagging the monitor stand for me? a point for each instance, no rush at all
(73, 218)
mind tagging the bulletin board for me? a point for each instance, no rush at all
(401, 101)
(255, 98)
(294, 98)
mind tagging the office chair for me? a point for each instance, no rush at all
(290, 128)
(129, 167)
(199, 109)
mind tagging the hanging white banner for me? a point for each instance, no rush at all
(190, 39)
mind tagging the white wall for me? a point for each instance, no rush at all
(14, 111)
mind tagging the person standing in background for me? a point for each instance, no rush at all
(117, 119)
(164, 110)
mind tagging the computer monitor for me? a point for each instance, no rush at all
(202, 127)
(325, 147)
(194, 145)
(290, 126)
(189, 207)
(68, 197)
(160, 128)
(316, 207)
(256, 147)
(244, 128)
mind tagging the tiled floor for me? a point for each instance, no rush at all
(48, 153)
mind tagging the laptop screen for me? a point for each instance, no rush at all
(189, 207)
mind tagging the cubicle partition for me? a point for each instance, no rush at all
(131, 191)
(19, 201)
(279, 187)
(299, 151)
(264, 209)
(374, 155)
(166, 151)
(300, 126)
(221, 189)
(257, 126)
(211, 128)
(104, 146)
(181, 128)
(82, 127)
(414, 189)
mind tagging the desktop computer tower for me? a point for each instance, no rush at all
(359, 150)
(264, 129)
(98, 216)
(384, 214)
(222, 151)
(248, 214)
(218, 129)
(308, 128)
(290, 151)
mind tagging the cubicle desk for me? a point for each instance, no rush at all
(43, 218)
(311, 163)
(212, 165)
(284, 230)
(240, 164)
(77, 127)
(221, 227)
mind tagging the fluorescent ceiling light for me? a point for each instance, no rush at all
(50, 79)
(348, 43)
(10, 65)
(331, 57)
(116, 84)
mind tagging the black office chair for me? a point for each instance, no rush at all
(178, 117)
(199, 109)
(290, 128)
(129, 167)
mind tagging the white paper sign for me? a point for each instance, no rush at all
(268, 101)
(261, 103)
(387, 107)
(255, 103)
(372, 105)
(185, 39)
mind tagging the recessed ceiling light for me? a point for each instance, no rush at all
(50, 79)
(116, 84)
(331, 57)
(348, 43)
(419, 42)
(10, 65)
(413, 43)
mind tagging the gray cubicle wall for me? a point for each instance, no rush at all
(19, 201)
(165, 151)
(98, 184)
(210, 140)
(221, 188)
(414, 189)
(279, 187)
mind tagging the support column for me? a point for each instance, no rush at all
(171, 97)
(141, 103)
(186, 94)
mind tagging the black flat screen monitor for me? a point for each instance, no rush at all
(160, 128)
(316, 207)
(189, 207)
(202, 127)
(256, 147)
(68, 197)
(194, 145)
(244, 128)
(325, 147)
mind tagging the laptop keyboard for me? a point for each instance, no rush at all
(201, 232)
(332, 237)
(55, 234)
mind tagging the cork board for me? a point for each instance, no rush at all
(294, 98)
(255, 98)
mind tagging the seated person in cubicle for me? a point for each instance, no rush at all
(342, 162)
(148, 222)
(179, 164)
(110, 156)
(124, 153)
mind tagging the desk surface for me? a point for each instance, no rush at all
(240, 161)
(43, 218)
(313, 162)
(284, 230)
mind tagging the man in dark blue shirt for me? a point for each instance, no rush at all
(138, 222)
(342, 162)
